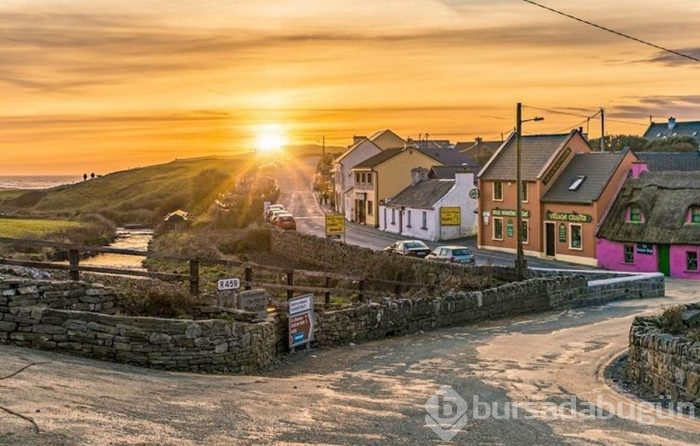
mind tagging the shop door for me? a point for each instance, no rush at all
(664, 259)
(550, 241)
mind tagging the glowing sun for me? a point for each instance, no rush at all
(270, 138)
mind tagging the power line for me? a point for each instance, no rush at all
(557, 112)
(618, 33)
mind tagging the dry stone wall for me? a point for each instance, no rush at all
(667, 364)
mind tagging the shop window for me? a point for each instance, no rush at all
(691, 260)
(497, 191)
(576, 237)
(425, 220)
(497, 228)
(694, 215)
(370, 208)
(635, 215)
(629, 253)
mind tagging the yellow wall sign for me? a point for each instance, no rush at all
(450, 216)
(335, 224)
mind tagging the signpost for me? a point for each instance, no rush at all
(335, 224)
(301, 321)
(227, 291)
(474, 193)
(254, 301)
(228, 284)
(450, 216)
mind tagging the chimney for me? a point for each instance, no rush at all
(418, 175)
(356, 139)
(671, 123)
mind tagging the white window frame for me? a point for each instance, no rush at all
(493, 229)
(525, 193)
(493, 191)
(571, 236)
(526, 223)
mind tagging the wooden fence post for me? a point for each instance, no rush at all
(248, 277)
(397, 287)
(74, 260)
(194, 277)
(290, 282)
(328, 290)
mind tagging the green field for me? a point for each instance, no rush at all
(138, 196)
(17, 228)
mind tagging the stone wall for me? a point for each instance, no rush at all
(33, 314)
(667, 364)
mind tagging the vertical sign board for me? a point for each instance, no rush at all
(509, 228)
(335, 224)
(254, 301)
(301, 320)
(562, 233)
(450, 216)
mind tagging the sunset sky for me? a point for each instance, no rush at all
(100, 85)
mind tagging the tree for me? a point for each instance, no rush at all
(616, 143)
(84, 177)
(673, 144)
(92, 175)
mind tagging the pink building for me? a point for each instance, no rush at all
(653, 225)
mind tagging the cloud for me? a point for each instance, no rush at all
(669, 59)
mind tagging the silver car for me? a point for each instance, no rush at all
(460, 255)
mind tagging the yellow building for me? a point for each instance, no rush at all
(386, 174)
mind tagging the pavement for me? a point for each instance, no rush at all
(370, 394)
(295, 179)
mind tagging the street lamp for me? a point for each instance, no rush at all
(520, 258)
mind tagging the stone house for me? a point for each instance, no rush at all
(654, 225)
(431, 209)
(567, 189)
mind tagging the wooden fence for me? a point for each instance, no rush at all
(359, 286)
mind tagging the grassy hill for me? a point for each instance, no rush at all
(135, 196)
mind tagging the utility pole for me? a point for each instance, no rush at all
(602, 129)
(520, 258)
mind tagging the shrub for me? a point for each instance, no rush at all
(672, 320)
(165, 302)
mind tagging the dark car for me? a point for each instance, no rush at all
(286, 221)
(411, 248)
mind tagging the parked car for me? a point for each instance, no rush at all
(286, 221)
(274, 207)
(274, 214)
(411, 248)
(452, 254)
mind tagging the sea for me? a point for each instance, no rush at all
(37, 181)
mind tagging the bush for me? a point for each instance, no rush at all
(254, 240)
(672, 320)
(165, 302)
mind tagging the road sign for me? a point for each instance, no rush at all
(450, 216)
(335, 224)
(301, 304)
(254, 301)
(228, 284)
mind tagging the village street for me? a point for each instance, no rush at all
(372, 393)
(295, 180)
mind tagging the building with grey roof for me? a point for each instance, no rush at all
(673, 128)
(671, 161)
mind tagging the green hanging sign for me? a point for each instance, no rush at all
(562, 232)
(509, 228)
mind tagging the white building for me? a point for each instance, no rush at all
(432, 209)
(362, 149)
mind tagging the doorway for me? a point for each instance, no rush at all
(550, 241)
(664, 259)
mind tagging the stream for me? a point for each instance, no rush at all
(136, 239)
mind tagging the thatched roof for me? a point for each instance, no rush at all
(664, 199)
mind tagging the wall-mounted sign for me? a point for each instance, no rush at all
(562, 232)
(556, 165)
(510, 213)
(254, 301)
(645, 248)
(574, 217)
(450, 216)
(335, 224)
(474, 193)
(509, 228)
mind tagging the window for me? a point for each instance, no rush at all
(370, 208)
(635, 215)
(497, 191)
(393, 216)
(629, 253)
(425, 220)
(363, 178)
(694, 216)
(408, 219)
(691, 260)
(576, 237)
(525, 229)
(369, 178)
(524, 191)
(357, 177)
(577, 182)
(498, 228)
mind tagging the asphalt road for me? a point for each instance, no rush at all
(371, 394)
(295, 179)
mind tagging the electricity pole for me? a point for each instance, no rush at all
(602, 129)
